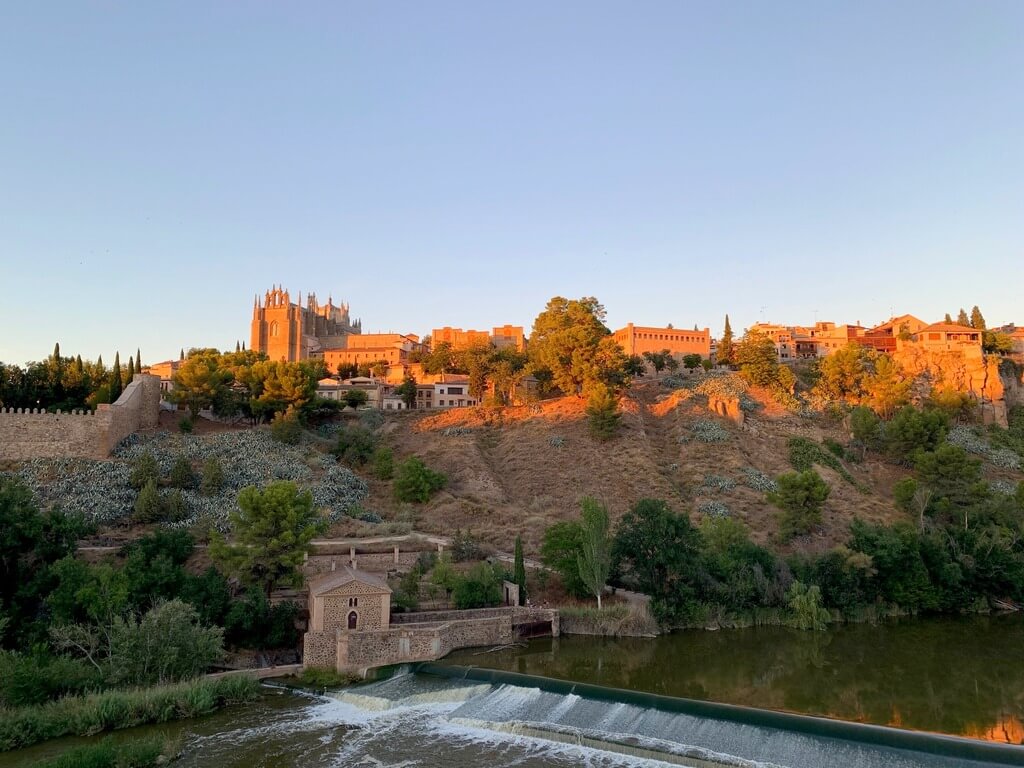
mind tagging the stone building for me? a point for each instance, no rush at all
(348, 600)
(290, 332)
(500, 336)
(637, 339)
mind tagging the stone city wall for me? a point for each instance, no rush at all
(29, 434)
(376, 562)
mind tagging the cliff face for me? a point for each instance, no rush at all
(974, 374)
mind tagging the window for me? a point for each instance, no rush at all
(454, 390)
(274, 329)
(353, 602)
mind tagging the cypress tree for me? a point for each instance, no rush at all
(238, 346)
(519, 569)
(726, 350)
(131, 369)
(962, 318)
(116, 383)
(182, 355)
(56, 352)
(948, 318)
(138, 360)
(977, 321)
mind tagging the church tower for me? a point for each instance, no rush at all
(277, 327)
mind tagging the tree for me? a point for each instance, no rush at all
(806, 604)
(416, 482)
(444, 575)
(953, 476)
(148, 505)
(692, 361)
(977, 320)
(726, 352)
(758, 359)
(594, 559)
(145, 470)
(272, 531)
(962, 319)
(479, 588)
(383, 463)
(948, 319)
(213, 477)
(407, 391)
(131, 369)
(560, 551)
(354, 398)
(570, 340)
(800, 497)
(116, 383)
(198, 382)
(355, 445)
(182, 475)
(997, 343)
(843, 374)
(658, 552)
(603, 413)
(888, 388)
(519, 569)
(634, 366)
(658, 360)
(138, 360)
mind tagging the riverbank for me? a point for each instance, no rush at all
(116, 709)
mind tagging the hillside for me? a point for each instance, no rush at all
(520, 469)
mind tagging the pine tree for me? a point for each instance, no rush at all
(948, 318)
(977, 321)
(726, 349)
(519, 570)
(962, 318)
(131, 369)
(116, 383)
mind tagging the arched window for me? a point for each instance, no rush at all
(274, 328)
(352, 619)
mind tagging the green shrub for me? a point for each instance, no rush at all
(38, 677)
(804, 454)
(213, 477)
(800, 497)
(182, 475)
(603, 417)
(145, 470)
(111, 710)
(148, 505)
(355, 446)
(383, 463)
(479, 588)
(806, 604)
(286, 428)
(186, 425)
(138, 753)
(416, 483)
(324, 678)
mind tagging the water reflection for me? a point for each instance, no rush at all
(956, 676)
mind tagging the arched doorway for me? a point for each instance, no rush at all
(352, 619)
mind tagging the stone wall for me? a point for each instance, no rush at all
(377, 562)
(413, 640)
(29, 434)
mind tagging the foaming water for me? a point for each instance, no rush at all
(422, 720)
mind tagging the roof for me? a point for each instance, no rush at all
(894, 322)
(344, 576)
(950, 328)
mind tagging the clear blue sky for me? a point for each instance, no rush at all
(460, 163)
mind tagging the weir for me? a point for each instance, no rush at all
(678, 730)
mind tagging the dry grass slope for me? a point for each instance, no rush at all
(521, 469)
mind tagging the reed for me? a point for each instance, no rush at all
(139, 753)
(112, 710)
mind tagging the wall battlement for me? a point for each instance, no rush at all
(34, 433)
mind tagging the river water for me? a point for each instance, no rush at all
(952, 676)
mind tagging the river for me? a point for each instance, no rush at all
(954, 676)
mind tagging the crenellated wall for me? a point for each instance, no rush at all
(30, 434)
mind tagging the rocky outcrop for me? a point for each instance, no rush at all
(727, 407)
(967, 371)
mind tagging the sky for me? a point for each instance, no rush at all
(461, 163)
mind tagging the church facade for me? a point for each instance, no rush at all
(291, 332)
